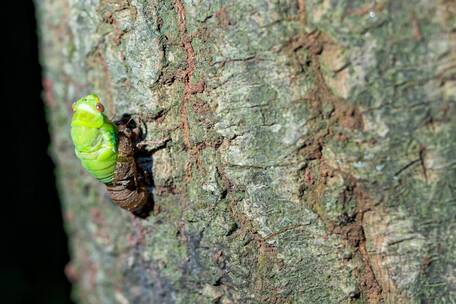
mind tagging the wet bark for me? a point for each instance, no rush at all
(310, 156)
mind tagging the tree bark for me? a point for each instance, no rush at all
(311, 152)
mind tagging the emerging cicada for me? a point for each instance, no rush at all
(108, 152)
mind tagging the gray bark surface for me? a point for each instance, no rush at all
(311, 153)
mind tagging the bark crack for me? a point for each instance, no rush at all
(186, 75)
(346, 116)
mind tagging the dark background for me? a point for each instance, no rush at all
(33, 243)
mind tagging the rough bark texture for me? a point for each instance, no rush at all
(311, 156)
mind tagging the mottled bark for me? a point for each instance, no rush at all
(311, 152)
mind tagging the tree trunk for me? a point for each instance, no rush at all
(311, 152)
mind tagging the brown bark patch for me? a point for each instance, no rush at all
(348, 116)
(223, 17)
(186, 75)
(353, 232)
(335, 68)
(322, 48)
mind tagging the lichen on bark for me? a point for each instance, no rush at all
(310, 156)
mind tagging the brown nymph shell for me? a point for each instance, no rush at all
(131, 185)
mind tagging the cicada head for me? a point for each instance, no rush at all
(88, 112)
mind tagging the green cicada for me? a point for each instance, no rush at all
(94, 138)
(108, 152)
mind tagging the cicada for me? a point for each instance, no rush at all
(108, 151)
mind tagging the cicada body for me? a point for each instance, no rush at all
(94, 138)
